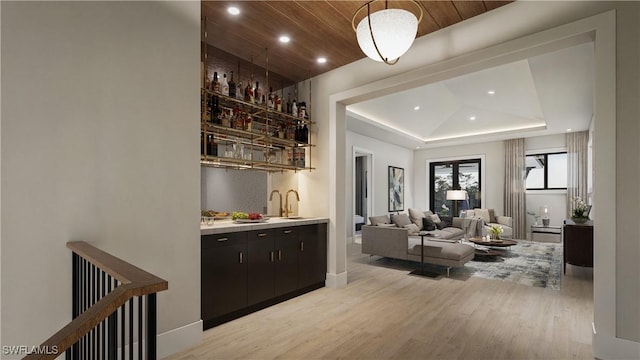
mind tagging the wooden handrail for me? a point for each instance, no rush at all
(133, 282)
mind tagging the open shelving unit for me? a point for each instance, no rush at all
(269, 143)
(261, 149)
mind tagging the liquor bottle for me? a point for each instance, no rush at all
(212, 147)
(225, 85)
(216, 114)
(240, 91)
(216, 83)
(208, 108)
(288, 103)
(248, 93)
(271, 104)
(248, 123)
(201, 143)
(294, 108)
(305, 134)
(258, 93)
(232, 87)
(278, 103)
(207, 82)
(264, 101)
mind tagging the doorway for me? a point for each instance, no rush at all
(362, 194)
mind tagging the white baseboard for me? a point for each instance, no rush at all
(336, 280)
(608, 347)
(179, 339)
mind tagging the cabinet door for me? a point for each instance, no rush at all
(261, 260)
(223, 274)
(312, 257)
(286, 269)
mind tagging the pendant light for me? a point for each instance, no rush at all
(386, 34)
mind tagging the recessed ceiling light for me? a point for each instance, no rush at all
(569, 130)
(491, 92)
(321, 60)
(472, 117)
(416, 108)
(233, 10)
(417, 147)
(284, 39)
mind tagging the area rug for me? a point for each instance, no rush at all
(527, 263)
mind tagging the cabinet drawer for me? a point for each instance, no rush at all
(218, 240)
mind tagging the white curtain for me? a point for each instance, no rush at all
(577, 147)
(514, 184)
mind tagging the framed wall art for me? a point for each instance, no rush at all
(396, 189)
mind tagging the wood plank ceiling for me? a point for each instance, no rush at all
(316, 28)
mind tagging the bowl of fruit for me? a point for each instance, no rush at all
(243, 217)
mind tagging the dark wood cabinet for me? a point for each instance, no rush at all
(246, 271)
(223, 274)
(312, 258)
(273, 262)
(578, 244)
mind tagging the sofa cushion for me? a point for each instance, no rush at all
(428, 224)
(441, 225)
(413, 228)
(442, 250)
(428, 213)
(483, 213)
(451, 233)
(416, 216)
(383, 219)
(400, 220)
(435, 218)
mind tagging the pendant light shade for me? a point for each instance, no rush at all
(386, 34)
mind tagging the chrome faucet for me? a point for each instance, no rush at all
(280, 203)
(287, 210)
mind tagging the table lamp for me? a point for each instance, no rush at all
(456, 195)
(544, 212)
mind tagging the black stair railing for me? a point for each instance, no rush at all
(113, 308)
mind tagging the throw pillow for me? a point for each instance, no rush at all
(375, 220)
(400, 220)
(416, 216)
(386, 225)
(469, 213)
(428, 213)
(413, 228)
(484, 214)
(441, 225)
(492, 216)
(428, 224)
(435, 218)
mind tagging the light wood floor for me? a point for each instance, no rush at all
(383, 313)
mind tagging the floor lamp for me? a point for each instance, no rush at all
(456, 195)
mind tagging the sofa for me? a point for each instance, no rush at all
(385, 237)
(490, 219)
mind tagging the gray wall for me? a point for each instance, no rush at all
(99, 143)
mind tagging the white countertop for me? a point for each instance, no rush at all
(227, 226)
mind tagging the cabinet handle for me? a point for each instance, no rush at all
(287, 231)
(301, 246)
(241, 257)
(271, 255)
(279, 255)
(262, 234)
(223, 239)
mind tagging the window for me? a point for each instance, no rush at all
(449, 175)
(546, 171)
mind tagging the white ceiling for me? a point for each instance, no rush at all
(542, 95)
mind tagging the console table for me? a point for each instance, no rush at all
(578, 244)
(550, 233)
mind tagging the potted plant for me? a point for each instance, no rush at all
(579, 213)
(495, 231)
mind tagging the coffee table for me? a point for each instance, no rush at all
(491, 245)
